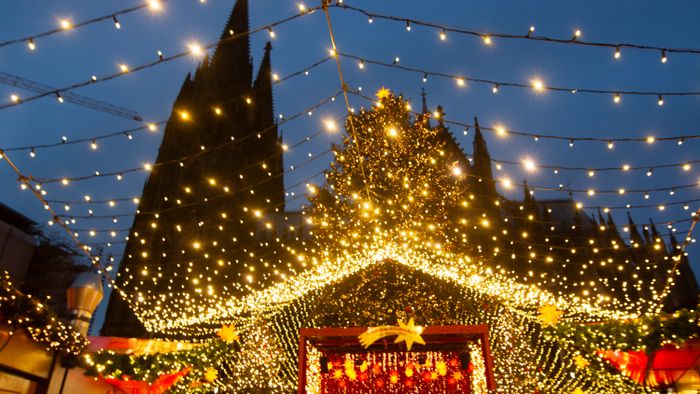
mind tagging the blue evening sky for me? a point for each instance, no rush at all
(74, 56)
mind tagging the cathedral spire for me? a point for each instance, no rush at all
(482, 165)
(231, 64)
(635, 237)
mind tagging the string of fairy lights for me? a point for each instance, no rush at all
(487, 37)
(295, 268)
(536, 84)
(193, 49)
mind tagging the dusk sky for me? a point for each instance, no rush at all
(74, 56)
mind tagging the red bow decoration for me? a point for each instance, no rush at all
(159, 386)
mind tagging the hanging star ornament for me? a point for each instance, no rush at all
(549, 314)
(580, 362)
(210, 375)
(228, 333)
(409, 334)
(383, 93)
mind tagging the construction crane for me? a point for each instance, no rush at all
(14, 80)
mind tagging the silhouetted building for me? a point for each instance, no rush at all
(220, 158)
(220, 162)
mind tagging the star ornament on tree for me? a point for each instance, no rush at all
(580, 361)
(383, 93)
(228, 333)
(549, 314)
(409, 334)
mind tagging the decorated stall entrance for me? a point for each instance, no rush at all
(395, 359)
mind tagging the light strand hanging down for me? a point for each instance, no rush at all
(124, 69)
(487, 37)
(94, 261)
(535, 84)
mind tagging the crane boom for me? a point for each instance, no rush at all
(14, 80)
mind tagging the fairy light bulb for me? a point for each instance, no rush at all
(646, 196)
(425, 77)
(195, 49)
(461, 82)
(571, 143)
(117, 25)
(618, 53)
(531, 31)
(650, 172)
(577, 35)
(302, 7)
(591, 173)
(681, 141)
(160, 55)
(124, 68)
(59, 97)
(494, 89)
(487, 40)
(361, 64)
(626, 167)
(32, 153)
(271, 32)
(621, 191)
(65, 24)
(14, 98)
(617, 98)
(686, 167)
(155, 5)
(537, 84)
(610, 145)
(664, 59)
(661, 100)
(370, 19)
(650, 139)
(529, 164)
(31, 45)
(331, 125)
(443, 35)
(93, 145)
(408, 26)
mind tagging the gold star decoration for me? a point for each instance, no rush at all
(549, 314)
(210, 375)
(228, 333)
(441, 368)
(580, 361)
(410, 335)
(383, 93)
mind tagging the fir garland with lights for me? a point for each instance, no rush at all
(23, 312)
(391, 242)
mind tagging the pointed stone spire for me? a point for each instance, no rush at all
(231, 64)
(441, 116)
(481, 168)
(263, 89)
(425, 101)
(601, 220)
(635, 237)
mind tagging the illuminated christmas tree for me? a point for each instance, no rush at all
(393, 181)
